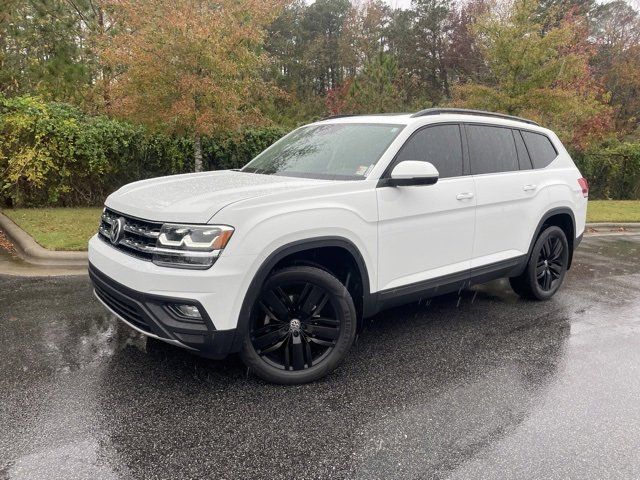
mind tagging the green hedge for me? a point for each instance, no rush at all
(613, 170)
(52, 154)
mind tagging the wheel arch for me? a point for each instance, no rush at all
(562, 217)
(292, 251)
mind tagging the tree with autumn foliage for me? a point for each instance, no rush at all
(616, 35)
(189, 66)
(378, 88)
(538, 73)
(364, 35)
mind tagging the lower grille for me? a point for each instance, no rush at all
(126, 310)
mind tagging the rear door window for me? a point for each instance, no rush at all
(440, 145)
(541, 150)
(491, 149)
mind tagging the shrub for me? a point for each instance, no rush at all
(52, 154)
(613, 170)
(235, 151)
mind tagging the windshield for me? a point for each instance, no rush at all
(340, 151)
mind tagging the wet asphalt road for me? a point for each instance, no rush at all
(481, 386)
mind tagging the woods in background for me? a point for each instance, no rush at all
(197, 70)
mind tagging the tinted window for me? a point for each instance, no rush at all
(523, 155)
(441, 145)
(540, 149)
(491, 149)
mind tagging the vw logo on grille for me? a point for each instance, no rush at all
(295, 325)
(117, 230)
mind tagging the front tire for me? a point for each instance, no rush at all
(546, 268)
(301, 326)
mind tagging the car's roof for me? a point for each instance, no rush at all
(412, 119)
(383, 118)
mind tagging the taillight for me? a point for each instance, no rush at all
(584, 185)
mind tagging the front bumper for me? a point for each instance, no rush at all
(220, 289)
(148, 314)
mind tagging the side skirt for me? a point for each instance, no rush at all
(448, 283)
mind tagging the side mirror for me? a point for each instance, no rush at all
(413, 172)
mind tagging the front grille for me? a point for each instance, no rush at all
(127, 310)
(138, 237)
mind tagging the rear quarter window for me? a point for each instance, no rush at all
(541, 150)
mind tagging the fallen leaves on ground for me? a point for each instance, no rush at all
(5, 244)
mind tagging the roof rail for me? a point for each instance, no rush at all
(343, 115)
(464, 111)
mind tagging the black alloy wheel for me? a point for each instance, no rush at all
(297, 326)
(301, 326)
(546, 268)
(549, 265)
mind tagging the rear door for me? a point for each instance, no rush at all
(509, 196)
(426, 232)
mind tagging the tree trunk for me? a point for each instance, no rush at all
(105, 70)
(197, 152)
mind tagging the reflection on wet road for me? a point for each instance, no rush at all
(485, 386)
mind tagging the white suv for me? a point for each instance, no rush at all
(282, 259)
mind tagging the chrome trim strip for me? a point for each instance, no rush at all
(133, 245)
(148, 334)
(103, 231)
(140, 231)
(143, 232)
(167, 251)
(144, 237)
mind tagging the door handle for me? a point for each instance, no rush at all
(529, 187)
(464, 196)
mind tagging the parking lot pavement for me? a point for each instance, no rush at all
(481, 386)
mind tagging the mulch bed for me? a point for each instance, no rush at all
(601, 229)
(6, 245)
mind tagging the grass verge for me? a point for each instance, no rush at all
(613, 211)
(58, 228)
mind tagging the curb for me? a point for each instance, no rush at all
(615, 226)
(32, 252)
(611, 228)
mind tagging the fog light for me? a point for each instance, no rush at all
(186, 311)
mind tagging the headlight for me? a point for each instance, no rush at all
(190, 246)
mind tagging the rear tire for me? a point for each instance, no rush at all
(546, 268)
(518, 285)
(301, 326)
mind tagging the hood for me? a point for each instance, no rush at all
(196, 197)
